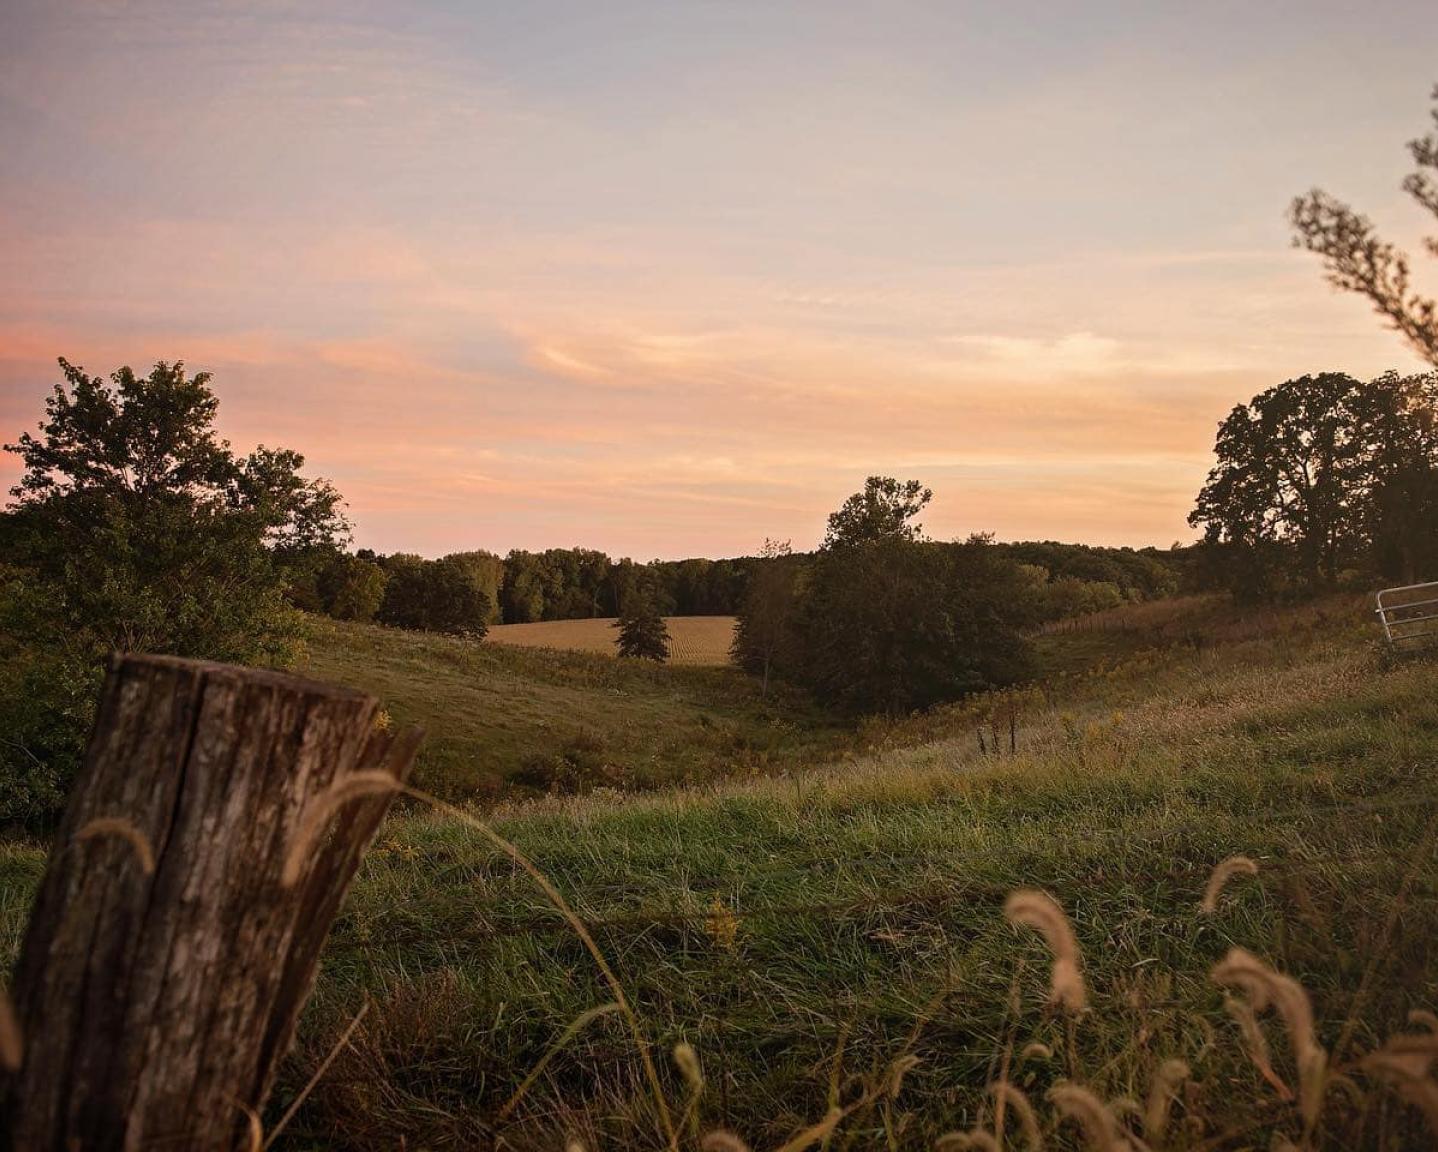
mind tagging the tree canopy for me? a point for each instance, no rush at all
(1321, 474)
(148, 531)
(880, 619)
(136, 527)
(884, 510)
(642, 632)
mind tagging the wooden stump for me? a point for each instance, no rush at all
(156, 1005)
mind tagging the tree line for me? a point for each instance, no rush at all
(466, 592)
(882, 618)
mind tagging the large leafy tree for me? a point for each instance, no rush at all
(881, 620)
(896, 625)
(1399, 418)
(148, 532)
(1358, 260)
(1320, 474)
(445, 595)
(764, 629)
(1289, 463)
(135, 527)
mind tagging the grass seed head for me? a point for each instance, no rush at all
(317, 815)
(1255, 1042)
(1405, 1067)
(687, 1061)
(1287, 997)
(1006, 1094)
(1422, 1018)
(975, 1138)
(122, 828)
(1161, 1095)
(1039, 910)
(1101, 1127)
(1225, 871)
(898, 1070)
(721, 1141)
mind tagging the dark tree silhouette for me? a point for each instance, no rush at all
(765, 624)
(642, 633)
(1320, 474)
(882, 511)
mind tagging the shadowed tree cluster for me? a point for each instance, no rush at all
(1322, 476)
(135, 527)
(881, 619)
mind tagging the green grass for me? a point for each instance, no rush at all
(804, 930)
(494, 713)
(865, 901)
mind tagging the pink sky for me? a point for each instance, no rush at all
(666, 279)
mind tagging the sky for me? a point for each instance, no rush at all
(669, 278)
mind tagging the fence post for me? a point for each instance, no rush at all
(162, 974)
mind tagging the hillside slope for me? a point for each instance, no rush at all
(501, 716)
(803, 934)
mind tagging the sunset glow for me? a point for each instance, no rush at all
(666, 279)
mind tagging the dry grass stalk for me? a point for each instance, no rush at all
(1405, 1064)
(817, 1133)
(1222, 874)
(898, 1070)
(118, 826)
(318, 812)
(1161, 1095)
(254, 1128)
(1037, 1049)
(561, 905)
(12, 1043)
(1101, 1127)
(1039, 910)
(319, 1074)
(575, 1025)
(1256, 1043)
(687, 1061)
(1266, 988)
(1422, 1018)
(1005, 1094)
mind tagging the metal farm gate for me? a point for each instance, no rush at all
(1409, 614)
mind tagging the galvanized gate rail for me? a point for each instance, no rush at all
(1409, 614)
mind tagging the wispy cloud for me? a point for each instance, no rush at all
(668, 280)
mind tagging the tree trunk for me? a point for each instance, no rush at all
(156, 1004)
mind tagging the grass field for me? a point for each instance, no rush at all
(811, 935)
(803, 934)
(693, 640)
(501, 717)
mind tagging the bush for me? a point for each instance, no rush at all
(583, 763)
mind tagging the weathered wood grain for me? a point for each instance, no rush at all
(156, 1007)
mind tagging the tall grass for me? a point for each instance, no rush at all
(831, 947)
(1193, 908)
